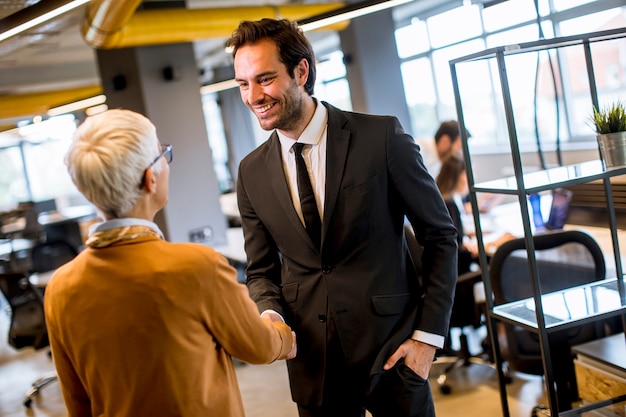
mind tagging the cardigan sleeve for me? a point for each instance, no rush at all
(234, 320)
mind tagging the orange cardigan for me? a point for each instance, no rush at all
(147, 328)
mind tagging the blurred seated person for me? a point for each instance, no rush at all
(139, 326)
(447, 141)
(452, 183)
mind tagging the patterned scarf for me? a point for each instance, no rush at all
(108, 237)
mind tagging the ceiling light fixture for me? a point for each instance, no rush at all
(218, 86)
(332, 17)
(33, 16)
(78, 105)
(90, 111)
(349, 12)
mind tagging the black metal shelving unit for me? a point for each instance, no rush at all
(522, 185)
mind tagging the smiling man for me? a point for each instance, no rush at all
(322, 204)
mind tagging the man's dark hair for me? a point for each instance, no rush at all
(450, 128)
(288, 37)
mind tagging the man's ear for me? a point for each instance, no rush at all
(302, 71)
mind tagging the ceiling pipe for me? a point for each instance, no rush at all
(113, 24)
(104, 18)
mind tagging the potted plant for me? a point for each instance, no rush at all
(610, 125)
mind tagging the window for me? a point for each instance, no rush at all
(608, 19)
(13, 188)
(472, 28)
(32, 162)
(507, 14)
(419, 85)
(443, 78)
(217, 141)
(454, 26)
(412, 39)
(522, 34)
(560, 5)
(331, 84)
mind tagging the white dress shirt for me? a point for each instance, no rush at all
(314, 157)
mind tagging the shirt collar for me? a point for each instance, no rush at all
(312, 133)
(115, 223)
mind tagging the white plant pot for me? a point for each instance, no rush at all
(613, 148)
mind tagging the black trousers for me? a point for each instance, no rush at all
(400, 392)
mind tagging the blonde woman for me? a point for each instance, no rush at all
(140, 326)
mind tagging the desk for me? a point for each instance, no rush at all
(15, 254)
(7, 247)
(66, 214)
(234, 251)
(506, 218)
(49, 218)
(66, 224)
(228, 204)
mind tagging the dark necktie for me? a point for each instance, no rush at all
(311, 216)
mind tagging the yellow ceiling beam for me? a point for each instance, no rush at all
(102, 29)
(20, 105)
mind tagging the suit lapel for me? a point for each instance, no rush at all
(337, 142)
(279, 185)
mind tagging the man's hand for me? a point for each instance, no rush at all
(274, 317)
(271, 316)
(418, 356)
(294, 347)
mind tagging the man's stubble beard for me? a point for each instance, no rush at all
(291, 111)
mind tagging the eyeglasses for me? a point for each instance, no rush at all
(167, 153)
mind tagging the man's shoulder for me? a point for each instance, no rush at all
(261, 151)
(354, 116)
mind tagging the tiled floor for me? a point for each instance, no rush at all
(265, 388)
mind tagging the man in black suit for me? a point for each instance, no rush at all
(367, 326)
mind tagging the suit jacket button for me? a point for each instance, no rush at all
(322, 317)
(326, 269)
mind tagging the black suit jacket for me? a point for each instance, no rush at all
(374, 177)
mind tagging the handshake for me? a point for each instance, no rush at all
(274, 317)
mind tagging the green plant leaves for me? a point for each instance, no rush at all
(610, 119)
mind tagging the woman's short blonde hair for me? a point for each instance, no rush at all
(108, 156)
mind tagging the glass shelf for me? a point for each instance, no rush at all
(548, 179)
(568, 306)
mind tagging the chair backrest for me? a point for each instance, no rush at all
(464, 310)
(28, 324)
(50, 255)
(415, 249)
(564, 259)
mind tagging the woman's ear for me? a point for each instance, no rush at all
(150, 183)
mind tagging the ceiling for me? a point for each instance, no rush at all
(54, 56)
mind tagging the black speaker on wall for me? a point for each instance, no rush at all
(169, 73)
(119, 82)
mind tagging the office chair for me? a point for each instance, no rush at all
(28, 325)
(564, 259)
(465, 312)
(47, 256)
(68, 230)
